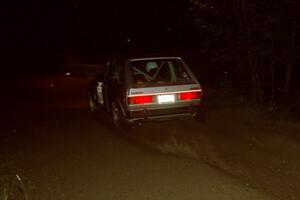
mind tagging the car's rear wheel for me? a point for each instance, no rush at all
(117, 116)
(119, 120)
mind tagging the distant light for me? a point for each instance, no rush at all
(128, 40)
(67, 74)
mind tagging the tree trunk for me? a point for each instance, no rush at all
(258, 78)
(259, 88)
(241, 8)
(273, 87)
(289, 71)
(254, 92)
(288, 79)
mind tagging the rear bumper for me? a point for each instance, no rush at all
(162, 114)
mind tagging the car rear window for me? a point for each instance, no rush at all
(147, 72)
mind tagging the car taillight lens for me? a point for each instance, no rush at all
(190, 95)
(140, 99)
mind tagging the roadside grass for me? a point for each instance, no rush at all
(11, 185)
(3, 194)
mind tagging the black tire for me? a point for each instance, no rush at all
(92, 104)
(119, 120)
(116, 114)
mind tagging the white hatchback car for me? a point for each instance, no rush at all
(147, 89)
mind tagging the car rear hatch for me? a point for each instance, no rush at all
(164, 97)
(162, 86)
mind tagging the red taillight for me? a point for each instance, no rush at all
(190, 95)
(140, 99)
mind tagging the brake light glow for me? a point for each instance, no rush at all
(189, 95)
(141, 99)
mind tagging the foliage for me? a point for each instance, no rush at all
(257, 40)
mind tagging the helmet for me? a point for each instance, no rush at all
(150, 66)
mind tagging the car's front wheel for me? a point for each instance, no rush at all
(92, 104)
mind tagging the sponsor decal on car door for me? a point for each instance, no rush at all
(100, 92)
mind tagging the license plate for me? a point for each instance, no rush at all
(170, 98)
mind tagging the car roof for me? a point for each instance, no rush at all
(154, 58)
(131, 56)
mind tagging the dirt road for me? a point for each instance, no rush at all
(59, 150)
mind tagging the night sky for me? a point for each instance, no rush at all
(38, 34)
(41, 28)
(39, 31)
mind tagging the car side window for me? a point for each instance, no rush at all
(103, 75)
(122, 73)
